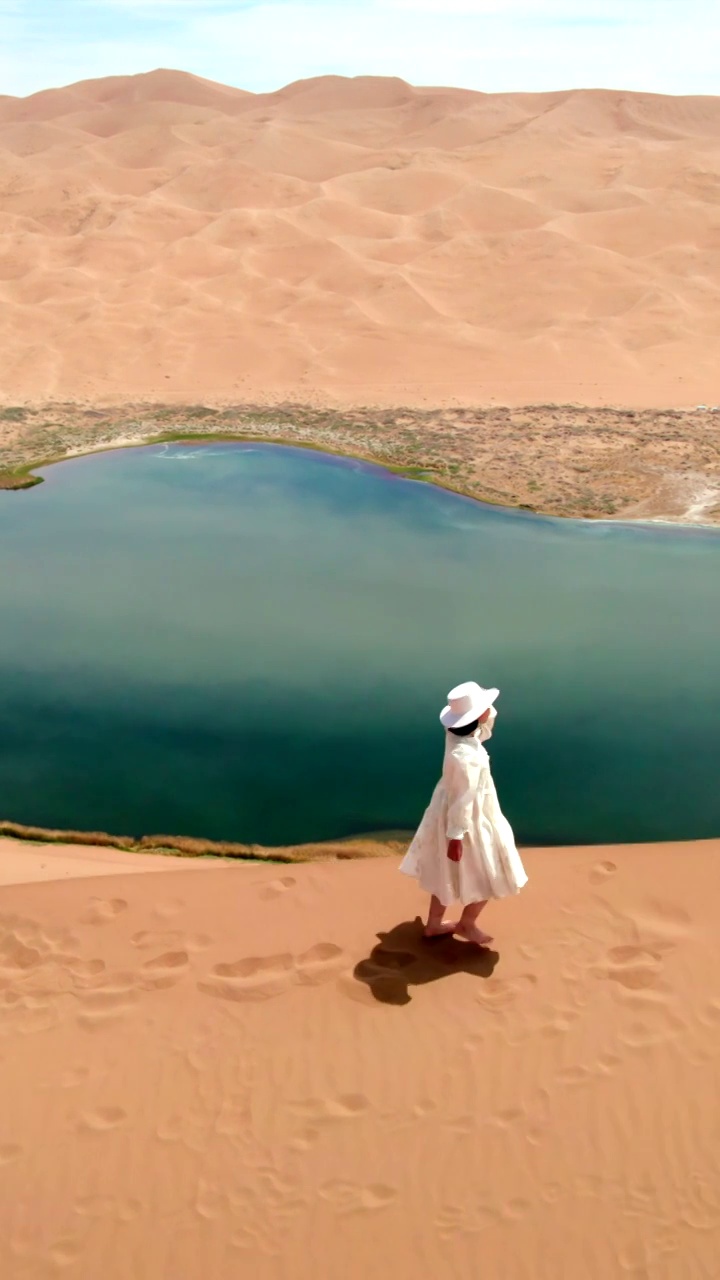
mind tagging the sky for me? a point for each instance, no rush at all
(660, 46)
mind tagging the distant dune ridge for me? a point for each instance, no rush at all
(357, 241)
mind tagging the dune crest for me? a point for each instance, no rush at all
(166, 238)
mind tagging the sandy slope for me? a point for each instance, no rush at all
(357, 241)
(261, 1072)
(21, 863)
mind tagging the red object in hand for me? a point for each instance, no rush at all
(454, 852)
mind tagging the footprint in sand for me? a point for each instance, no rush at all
(195, 942)
(103, 1004)
(498, 993)
(577, 1074)
(170, 908)
(102, 1119)
(710, 1015)
(319, 963)
(514, 1210)
(469, 1219)
(425, 1107)
(103, 910)
(608, 1062)
(16, 957)
(342, 1107)
(74, 1077)
(65, 1252)
(276, 888)
(27, 931)
(107, 1001)
(559, 1023)
(347, 1105)
(170, 939)
(633, 967)
(261, 977)
(602, 871)
(165, 970)
(253, 978)
(636, 969)
(147, 938)
(655, 1024)
(349, 1197)
(320, 1113)
(83, 971)
(464, 1126)
(700, 1204)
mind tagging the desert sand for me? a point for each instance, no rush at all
(359, 241)
(22, 863)
(228, 1071)
(513, 294)
(262, 1072)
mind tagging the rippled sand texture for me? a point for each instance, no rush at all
(262, 1072)
(359, 241)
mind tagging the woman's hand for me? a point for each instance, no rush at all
(454, 850)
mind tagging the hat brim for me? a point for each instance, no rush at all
(452, 721)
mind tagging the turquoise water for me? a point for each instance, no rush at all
(253, 643)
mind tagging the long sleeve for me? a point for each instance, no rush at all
(487, 728)
(461, 776)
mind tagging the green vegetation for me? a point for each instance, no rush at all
(191, 847)
(560, 460)
(18, 480)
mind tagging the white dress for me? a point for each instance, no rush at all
(465, 806)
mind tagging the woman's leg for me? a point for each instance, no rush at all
(467, 926)
(435, 926)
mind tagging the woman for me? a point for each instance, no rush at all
(464, 849)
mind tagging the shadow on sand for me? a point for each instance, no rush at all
(403, 958)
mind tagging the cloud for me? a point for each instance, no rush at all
(146, 7)
(484, 8)
(494, 45)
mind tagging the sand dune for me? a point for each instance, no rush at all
(357, 241)
(22, 863)
(262, 1072)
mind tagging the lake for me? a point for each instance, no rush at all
(253, 642)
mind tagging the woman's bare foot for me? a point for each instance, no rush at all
(440, 930)
(473, 934)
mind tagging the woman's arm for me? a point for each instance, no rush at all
(461, 778)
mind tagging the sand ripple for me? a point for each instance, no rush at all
(280, 1083)
(169, 238)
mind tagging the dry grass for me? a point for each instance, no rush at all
(191, 847)
(8, 480)
(560, 459)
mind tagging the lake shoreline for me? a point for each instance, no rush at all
(379, 844)
(197, 685)
(345, 849)
(616, 464)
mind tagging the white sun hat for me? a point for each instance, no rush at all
(466, 702)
